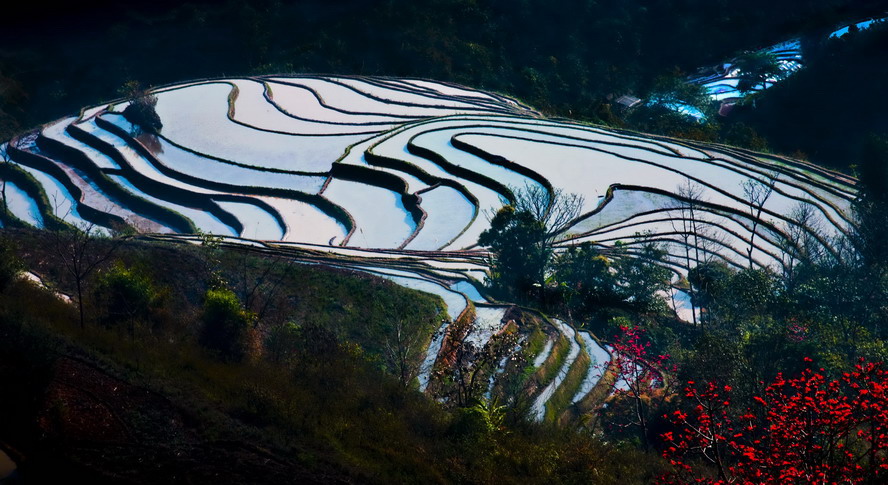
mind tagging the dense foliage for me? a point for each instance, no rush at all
(568, 57)
(308, 404)
(756, 336)
(226, 325)
(521, 259)
(318, 362)
(10, 263)
(583, 280)
(826, 111)
(128, 296)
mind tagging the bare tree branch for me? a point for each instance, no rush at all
(757, 193)
(81, 254)
(557, 211)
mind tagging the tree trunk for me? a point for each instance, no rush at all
(80, 302)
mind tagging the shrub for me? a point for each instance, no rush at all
(10, 263)
(126, 295)
(282, 342)
(226, 325)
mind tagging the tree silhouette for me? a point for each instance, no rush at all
(141, 109)
(82, 251)
(756, 69)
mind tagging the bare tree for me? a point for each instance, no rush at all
(556, 211)
(402, 351)
(211, 260)
(688, 227)
(692, 227)
(756, 194)
(258, 288)
(521, 238)
(81, 252)
(472, 361)
(801, 244)
(700, 235)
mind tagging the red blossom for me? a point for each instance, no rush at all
(639, 380)
(804, 429)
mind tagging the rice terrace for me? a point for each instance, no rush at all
(395, 176)
(207, 259)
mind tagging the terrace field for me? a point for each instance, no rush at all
(399, 177)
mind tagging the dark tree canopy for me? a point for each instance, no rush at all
(141, 109)
(226, 325)
(756, 68)
(517, 239)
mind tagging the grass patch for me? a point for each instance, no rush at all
(536, 340)
(562, 396)
(553, 364)
(328, 413)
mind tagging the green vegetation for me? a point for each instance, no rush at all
(10, 263)
(512, 386)
(582, 281)
(753, 324)
(517, 239)
(536, 341)
(280, 344)
(755, 69)
(126, 295)
(226, 325)
(562, 396)
(521, 238)
(302, 365)
(25, 181)
(330, 412)
(553, 363)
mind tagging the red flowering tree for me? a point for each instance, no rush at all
(638, 388)
(806, 429)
